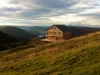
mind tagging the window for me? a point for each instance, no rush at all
(59, 33)
(57, 38)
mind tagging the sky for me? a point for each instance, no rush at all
(48, 12)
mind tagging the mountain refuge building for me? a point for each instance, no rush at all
(57, 33)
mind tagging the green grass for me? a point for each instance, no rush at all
(78, 56)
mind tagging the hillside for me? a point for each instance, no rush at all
(37, 30)
(78, 56)
(6, 40)
(17, 33)
(30, 30)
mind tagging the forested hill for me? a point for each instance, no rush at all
(6, 41)
(17, 33)
(5, 38)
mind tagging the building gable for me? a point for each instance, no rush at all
(62, 28)
(53, 29)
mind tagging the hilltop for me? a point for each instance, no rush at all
(17, 33)
(78, 56)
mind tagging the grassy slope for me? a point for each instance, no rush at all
(79, 56)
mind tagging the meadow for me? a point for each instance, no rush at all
(77, 56)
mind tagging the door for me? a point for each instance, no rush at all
(56, 38)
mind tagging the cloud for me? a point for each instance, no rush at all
(50, 11)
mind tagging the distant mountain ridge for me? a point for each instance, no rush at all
(40, 29)
(17, 33)
(36, 30)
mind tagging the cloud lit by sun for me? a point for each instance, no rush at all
(3, 3)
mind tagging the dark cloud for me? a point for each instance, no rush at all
(55, 4)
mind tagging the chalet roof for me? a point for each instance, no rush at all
(76, 31)
(62, 27)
